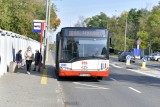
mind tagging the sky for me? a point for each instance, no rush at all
(69, 11)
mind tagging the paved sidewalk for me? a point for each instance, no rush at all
(34, 90)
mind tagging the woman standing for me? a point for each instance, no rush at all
(29, 57)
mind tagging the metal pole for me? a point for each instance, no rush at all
(41, 36)
(45, 34)
(47, 38)
(49, 13)
(125, 35)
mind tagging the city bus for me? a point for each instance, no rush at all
(82, 51)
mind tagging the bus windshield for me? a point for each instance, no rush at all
(77, 48)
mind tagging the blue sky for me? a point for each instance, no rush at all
(69, 11)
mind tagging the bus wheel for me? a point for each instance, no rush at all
(99, 78)
(60, 78)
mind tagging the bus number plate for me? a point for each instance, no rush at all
(84, 75)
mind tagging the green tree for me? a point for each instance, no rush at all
(98, 21)
(18, 15)
(134, 16)
(153, 26)
(142, 24)
(143, 37)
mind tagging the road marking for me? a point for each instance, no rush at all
(134, 89)
(60, 96)
(91, 88)
(115, 65)
(113, 79)
(44, 77)
(90, 85)
(144, 73)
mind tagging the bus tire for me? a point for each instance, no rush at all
(59, 78)
(99, 78)
(57, 74)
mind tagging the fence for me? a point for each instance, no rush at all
(10, 44)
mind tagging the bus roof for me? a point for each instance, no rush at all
(83, 28)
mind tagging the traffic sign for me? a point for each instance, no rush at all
(128, 57)
(37, 25)
(138, 42)
(144, 59)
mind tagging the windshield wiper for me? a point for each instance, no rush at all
(75, 58)
(97, 57)
(84, 58)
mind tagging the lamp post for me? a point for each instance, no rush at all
(125, 34)
(46, 30)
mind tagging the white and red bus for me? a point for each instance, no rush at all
(82, 51)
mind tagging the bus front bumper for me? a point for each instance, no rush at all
(84, 73)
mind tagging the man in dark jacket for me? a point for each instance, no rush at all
(19, 58)
(38, 59)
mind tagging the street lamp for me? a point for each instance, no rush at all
(46, 30)
(125, 35)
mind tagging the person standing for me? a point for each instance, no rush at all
(19, 58)
(38, 59)
(29, 57)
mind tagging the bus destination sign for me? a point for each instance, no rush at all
(90, 33)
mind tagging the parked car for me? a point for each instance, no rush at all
(122, 56)
(155, 57)
(148, 57)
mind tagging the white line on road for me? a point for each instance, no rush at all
(113, 79)
(144, 73)
(115, 65)
(90, 85)
(134, 89)
(91, 88)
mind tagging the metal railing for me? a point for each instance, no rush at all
(10, 44)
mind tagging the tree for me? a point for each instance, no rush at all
(18, 15)
(153, 24)
(55, 22)
(97, 21)
(143, 37)
(133, 22)
(142, 24)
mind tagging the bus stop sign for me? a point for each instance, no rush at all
(37, 26)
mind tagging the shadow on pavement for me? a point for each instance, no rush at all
(78, 79)
(50, 72)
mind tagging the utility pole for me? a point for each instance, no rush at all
(48, 38)
(125, 35)
(45, 34)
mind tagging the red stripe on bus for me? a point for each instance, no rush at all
(77, 73)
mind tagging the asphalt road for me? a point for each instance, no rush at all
(123, 88)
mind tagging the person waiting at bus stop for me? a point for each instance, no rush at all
(29, 57)
(19, 58)
(38, 60)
